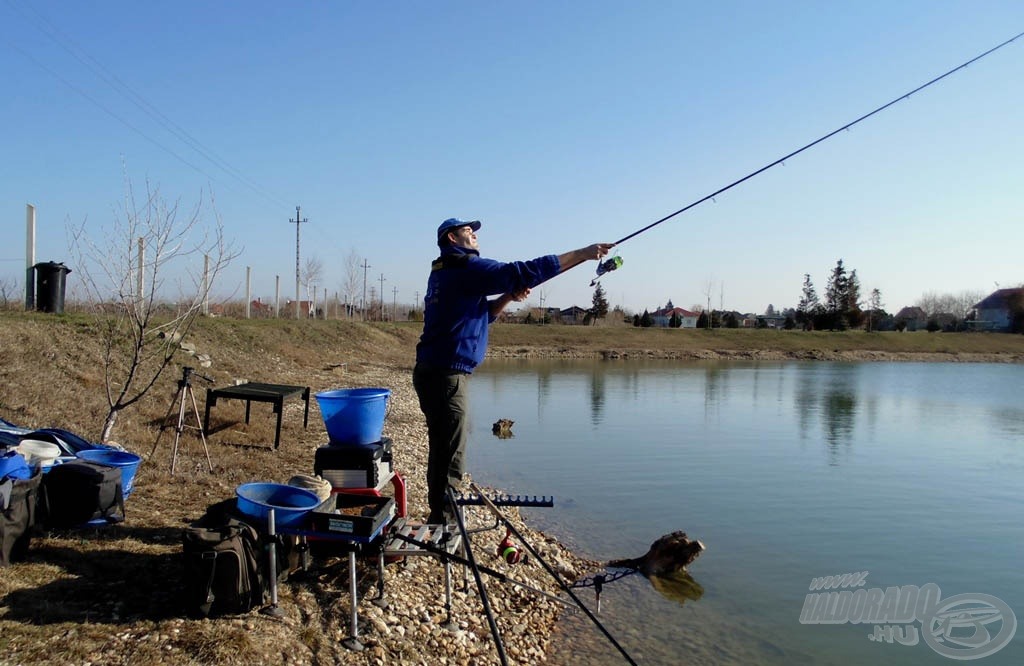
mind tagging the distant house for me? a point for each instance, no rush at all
(305, 307)
(573, 315)
(914, 317)
(663, 316)
(768, 321)
(995, 312)
(260, 309)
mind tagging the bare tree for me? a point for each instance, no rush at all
(353, 278)
(8, 288)
(312, 274)
(708, 287)
(140, 333)
(964, 302)
(959, 305)
(933, 303)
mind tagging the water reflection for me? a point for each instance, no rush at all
(680, 587)
(831, 396)
(597, 391)
(714, 388)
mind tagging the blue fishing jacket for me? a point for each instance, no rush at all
(456, 310)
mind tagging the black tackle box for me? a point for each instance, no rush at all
(349, 466)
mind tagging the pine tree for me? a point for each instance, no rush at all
(875, 306)
(836, 297)
(852, 312)
(809, 304)
(599, 309)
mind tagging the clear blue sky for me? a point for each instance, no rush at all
(556, 123)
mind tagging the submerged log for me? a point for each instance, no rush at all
(666, 556)
(502, 428)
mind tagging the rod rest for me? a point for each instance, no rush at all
(505, 500)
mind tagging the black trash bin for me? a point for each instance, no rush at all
(50, 280)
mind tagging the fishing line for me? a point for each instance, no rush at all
(809, 145)
(817, 141)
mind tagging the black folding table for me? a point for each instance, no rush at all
(251, 392)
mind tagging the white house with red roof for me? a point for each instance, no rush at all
(662, 317)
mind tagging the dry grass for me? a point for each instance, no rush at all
(85, 595)
(113, 595)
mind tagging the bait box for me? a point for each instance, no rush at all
(354, 466)
(352, 514)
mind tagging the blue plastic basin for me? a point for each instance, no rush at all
(354, 416)
(290, 504)
(128, 462)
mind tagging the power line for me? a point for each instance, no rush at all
(60, 38)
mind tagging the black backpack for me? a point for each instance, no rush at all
(223, 565)
(18, 498)
(77, 492)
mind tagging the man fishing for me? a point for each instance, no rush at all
(456, 316)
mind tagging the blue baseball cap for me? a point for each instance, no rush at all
(455, 223)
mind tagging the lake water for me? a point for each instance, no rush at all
(786, 472)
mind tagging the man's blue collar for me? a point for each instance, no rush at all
(457, 249)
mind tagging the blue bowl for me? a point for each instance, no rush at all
(354, 416)
(290, 504)
(128, 462)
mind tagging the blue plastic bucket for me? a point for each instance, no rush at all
(290, 503)
(128, 462)
(354, 417)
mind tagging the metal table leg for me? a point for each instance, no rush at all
(380, 601)
(273, 609)
(352, 642)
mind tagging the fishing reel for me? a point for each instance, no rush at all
(508, 551)
(607, 266)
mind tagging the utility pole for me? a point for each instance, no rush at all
(416, 303)
(297, 221)
(363, 308)
(394, 304)
(382, 297)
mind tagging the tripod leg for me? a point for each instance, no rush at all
(179, 427)
(163, 424)
(202, 435)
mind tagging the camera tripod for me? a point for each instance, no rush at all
(184, 392)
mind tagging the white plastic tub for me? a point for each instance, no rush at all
(37, 452)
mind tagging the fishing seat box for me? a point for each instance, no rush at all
(351, 514)
(354, 466)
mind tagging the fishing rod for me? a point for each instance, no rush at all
(610, 264)
(484, 599)
(444, 555)
(554, 574)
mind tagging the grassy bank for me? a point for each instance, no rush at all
(616, 342)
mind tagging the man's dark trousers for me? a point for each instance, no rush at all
(444, 400)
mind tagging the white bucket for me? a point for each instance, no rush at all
(37, 452)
